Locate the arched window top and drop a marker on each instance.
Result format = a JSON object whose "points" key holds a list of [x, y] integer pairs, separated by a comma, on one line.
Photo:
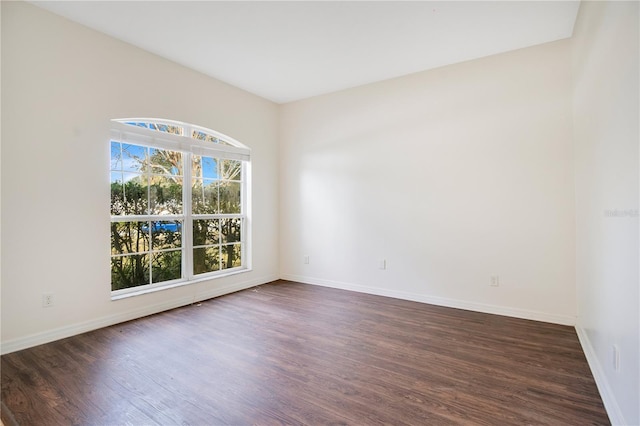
{"points": [[166, 126], [170, 131], [181, 129]]}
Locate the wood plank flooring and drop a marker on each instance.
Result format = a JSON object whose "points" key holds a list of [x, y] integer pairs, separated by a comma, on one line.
{"points": [[288, 353]]}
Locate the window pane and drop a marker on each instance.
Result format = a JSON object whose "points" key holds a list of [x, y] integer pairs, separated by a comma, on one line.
{"points": [[209, 168], [129, 271], [165, 162], [166, 128], [231, 256], [197, 196], [196, 166], [231, 169], [230, 197], [129, 237], [166, 266], [116, 157], [165, 196], [116, 177], [166, 234], [206, 259], [206, 167], [137, 124], [160, 127], [206, 232], [133, 157], [201, 136], [128, 195], [204, 196], [136, 177], [135, 195], [117, 194], [231, 229]]}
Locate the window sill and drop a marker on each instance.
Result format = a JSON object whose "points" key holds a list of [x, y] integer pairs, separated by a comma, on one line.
{"points": [[142, 291]]}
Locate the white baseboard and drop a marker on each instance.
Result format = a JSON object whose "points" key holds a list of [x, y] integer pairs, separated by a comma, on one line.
{"points": [[439, 301], [83, 327], [73, 329], [610, 404]]}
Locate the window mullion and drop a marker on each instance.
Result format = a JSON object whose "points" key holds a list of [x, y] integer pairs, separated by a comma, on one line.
{"points": [[187, 234], [147, 176]]}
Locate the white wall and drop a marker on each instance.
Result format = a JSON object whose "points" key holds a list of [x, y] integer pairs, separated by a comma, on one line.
{"points": [[451, 175], [605, 76], [61, 84]]}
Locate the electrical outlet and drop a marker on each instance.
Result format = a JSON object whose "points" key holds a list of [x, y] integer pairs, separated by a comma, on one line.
{"points": [[495, 281], [306, 259], [382, 264], [47, 300], [615, 354]]}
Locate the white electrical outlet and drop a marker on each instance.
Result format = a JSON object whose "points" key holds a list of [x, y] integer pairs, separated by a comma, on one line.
{"points": [[615, 355], [382, 264], [47, 300], [306, 259], [495, 281]]}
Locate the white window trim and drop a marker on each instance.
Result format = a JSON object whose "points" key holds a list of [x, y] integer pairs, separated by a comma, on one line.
{"points": [[153, 138], [127, 133]]}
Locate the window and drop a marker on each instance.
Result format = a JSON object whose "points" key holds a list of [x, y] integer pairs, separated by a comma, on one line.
{"points": [[178, 204]]}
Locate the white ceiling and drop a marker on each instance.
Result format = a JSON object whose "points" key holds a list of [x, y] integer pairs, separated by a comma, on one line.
{"points": [[285, 51]]}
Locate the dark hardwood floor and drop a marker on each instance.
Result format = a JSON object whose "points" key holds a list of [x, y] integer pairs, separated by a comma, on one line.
{"points": [[287, 353]]}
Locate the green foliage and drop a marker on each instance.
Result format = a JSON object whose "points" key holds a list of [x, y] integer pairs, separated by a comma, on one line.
{"points": [[206, 259], [167, 266], [129, 271], [128, 198], [131, 242]]}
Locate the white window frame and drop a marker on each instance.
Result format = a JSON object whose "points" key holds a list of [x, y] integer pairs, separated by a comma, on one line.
{"points": [[188, 146]]}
